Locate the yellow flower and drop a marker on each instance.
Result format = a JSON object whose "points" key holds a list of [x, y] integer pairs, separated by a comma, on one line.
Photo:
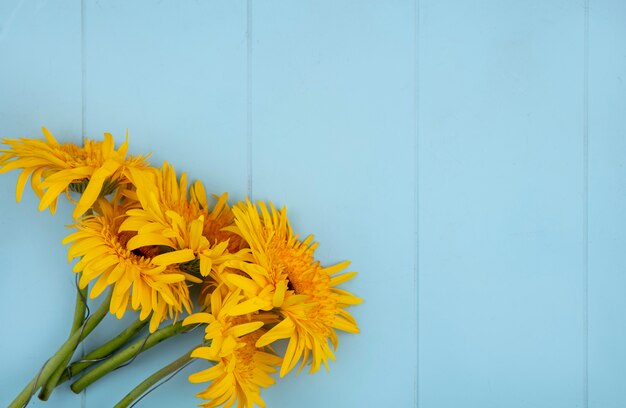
{"points": [[240, 369], [179, 217], [142, 279], [53, 168], [237, 378], [284, 276]]}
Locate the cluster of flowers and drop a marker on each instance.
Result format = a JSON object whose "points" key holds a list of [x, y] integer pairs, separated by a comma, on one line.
{"points": [[146, 236]]}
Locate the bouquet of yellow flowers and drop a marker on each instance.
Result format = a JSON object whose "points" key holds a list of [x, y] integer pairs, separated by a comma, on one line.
{"points": [[143, 237]]}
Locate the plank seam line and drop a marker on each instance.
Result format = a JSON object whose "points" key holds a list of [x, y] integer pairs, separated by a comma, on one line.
{"points": [[416, 102], [249, 97], [83, 394], [586, 207]]}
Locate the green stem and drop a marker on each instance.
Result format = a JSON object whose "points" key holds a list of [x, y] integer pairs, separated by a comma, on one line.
{"points": [[66, 349], [139, 390], [103, 351], [79, 320], [126, 354], [80, 309]]}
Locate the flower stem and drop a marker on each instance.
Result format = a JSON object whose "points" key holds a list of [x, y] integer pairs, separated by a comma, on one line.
{"points": [[126, 354], [66, 349], [139, 390], [103, 351], [80, 309], [79, 320]]}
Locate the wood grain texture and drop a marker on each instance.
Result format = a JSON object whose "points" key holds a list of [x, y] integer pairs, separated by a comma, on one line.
{"points": [[500, 164], [607, 201], [515, 295], [39, 86], [174, 75], [333, 140]]}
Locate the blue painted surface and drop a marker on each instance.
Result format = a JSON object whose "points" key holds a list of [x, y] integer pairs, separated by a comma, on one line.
{"points": [[498, 125], [501, 204], [607, 193]]}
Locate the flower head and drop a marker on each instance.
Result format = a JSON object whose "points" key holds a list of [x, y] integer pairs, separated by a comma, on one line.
{"points": [[240, 368], [95, 169], [284, 276], [142, 279], [180, 218]]}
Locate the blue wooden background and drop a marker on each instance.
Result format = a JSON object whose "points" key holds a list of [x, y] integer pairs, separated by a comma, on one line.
{"points": [[468, 156]]}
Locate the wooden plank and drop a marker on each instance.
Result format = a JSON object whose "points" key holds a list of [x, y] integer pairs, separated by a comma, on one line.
{"points": [[501, 170], [333, 139], [607, 204], [174, 75], [39, 86]]}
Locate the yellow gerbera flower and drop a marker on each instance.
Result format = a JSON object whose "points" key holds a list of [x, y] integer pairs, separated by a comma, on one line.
{"points": [[284, 276], [179, 217], [240, 369], [237, 378], [144, 279], [53, 168]]}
